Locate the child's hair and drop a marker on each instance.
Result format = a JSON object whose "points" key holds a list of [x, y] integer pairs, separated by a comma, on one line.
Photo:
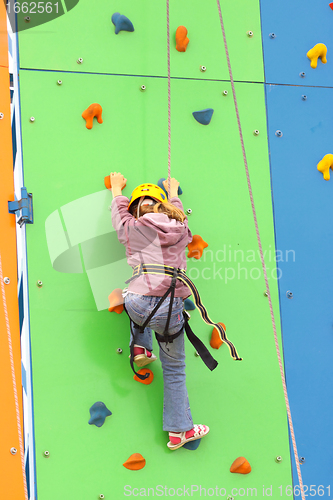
{"points": [[165, 208]]}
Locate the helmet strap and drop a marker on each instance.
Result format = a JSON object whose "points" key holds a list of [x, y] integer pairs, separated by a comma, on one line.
{"points": [[152, 202]]}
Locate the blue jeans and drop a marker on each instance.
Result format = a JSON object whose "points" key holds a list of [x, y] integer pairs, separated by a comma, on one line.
{"points": [[176, 408]]}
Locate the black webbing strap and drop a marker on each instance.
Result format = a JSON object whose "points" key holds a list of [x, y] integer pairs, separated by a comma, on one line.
{"points": [[146, 375], [172, 289], [202, 350]]}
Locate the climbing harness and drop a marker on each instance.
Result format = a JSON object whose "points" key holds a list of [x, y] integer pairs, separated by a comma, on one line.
{"points": [[176, 273]]}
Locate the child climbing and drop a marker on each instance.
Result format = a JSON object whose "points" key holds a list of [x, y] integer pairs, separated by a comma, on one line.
{"points": [[155, 231]]}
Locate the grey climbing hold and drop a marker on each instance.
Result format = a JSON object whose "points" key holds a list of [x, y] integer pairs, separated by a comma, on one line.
{"points": [[98, 414], [189, 305], [192, 445], [122, 23], [204, 116]]}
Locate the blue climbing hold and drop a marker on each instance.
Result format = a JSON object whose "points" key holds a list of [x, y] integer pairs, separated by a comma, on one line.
{"points": [[189, 305], [122, 23], [98, 414], [204, 116], [192, 445], [160, 184]]}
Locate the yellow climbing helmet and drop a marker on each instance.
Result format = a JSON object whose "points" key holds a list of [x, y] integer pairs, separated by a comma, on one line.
{"points": [[150, 190]]}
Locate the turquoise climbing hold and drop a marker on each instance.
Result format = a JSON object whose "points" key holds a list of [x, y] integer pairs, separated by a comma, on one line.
{"points": [[192, 445], [204, 116], [189, 305], [98, 414], [160, 184], [122, 23]]}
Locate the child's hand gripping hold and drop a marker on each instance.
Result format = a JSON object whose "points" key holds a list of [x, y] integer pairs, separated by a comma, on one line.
{"points": [[118, 182], [174, 184]]}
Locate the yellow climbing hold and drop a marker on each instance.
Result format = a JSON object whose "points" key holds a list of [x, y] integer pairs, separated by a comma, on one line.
{"points": [[319, 50], [324, 166]]}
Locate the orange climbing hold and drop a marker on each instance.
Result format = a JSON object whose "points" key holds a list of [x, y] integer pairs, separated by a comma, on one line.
{"points": [[324, 166], [116, 301], [241, 466], [196, 247], [93, 110], [135, 462], [216, 341], [318, 51], [181, 39], [147, 380], [107, 182]]}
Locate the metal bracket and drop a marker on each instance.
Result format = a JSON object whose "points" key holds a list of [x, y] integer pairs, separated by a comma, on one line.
{"points": [[25, 205]]}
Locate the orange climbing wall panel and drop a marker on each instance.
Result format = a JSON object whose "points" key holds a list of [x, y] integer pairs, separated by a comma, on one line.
{"points": [[11, 473]]}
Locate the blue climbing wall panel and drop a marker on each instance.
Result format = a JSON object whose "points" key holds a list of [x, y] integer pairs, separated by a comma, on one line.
{"points": [[303, 205], [298, 26]]}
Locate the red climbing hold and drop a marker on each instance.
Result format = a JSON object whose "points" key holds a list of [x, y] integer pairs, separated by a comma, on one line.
{"points": [[147, 380], [135, 462], [93, 110], [116, 301], [216, 341], [331, 5], [241, 466], [181, 39], [196, 247]]}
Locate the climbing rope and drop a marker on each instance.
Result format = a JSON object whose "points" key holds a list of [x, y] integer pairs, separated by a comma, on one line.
{"points": [[169, 103], [14, 380], [262, 257]]}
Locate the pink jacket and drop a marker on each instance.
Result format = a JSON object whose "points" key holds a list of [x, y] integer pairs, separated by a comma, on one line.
{"points": [[152, 239]]}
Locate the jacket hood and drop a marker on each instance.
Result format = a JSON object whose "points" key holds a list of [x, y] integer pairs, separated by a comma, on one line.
{"points": [[169, 231]]}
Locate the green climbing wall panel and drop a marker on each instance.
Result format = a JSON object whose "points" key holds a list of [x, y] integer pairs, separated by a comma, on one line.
{"points": [[74, 337]]}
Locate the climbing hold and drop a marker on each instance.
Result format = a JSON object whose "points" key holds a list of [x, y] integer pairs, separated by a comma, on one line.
{"points": [[160, 184], [204, 116], [116, 301], [107, 182], [181, 39], [93, 110], [318, 51], [122, 23], [98, 414], [215, 341], [324, 166], [189, 305], [196, 247], [147, 380], [241, 466], [331, 5], [192, 445], [135, 462]]}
